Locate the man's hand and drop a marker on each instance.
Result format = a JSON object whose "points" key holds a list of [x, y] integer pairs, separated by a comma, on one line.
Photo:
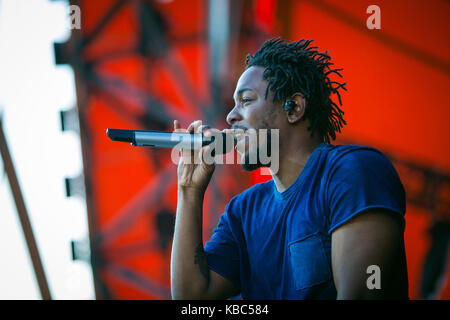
{"points": [[193, 171]]}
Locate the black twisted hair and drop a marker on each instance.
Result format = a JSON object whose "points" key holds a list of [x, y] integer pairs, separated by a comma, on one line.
{"points": [[299, 67]]}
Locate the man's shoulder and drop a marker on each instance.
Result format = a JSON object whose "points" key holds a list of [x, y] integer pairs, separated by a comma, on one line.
{"points": [[352, 154], [351, 149], [252, 194]]}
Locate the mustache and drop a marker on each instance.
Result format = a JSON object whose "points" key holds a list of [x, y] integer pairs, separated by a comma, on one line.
{"points": [[236, 127]]}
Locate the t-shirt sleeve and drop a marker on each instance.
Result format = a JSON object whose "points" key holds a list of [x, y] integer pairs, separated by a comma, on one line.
{"points": [[363, 179], [222, 251]]}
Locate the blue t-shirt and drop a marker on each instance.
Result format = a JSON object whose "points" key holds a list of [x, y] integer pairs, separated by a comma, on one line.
{"points": [[278, 245]]}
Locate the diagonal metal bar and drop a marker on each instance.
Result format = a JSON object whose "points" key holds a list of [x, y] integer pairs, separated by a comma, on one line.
{"points": [[178, 71], [138, 281], [146, 198], [155, 44], [115, 87], [132, 249], [109, 56], [109, 15], [23, 216]]}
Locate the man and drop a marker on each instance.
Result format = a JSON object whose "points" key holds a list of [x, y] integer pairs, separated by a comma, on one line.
{"points": [[330, 222]]}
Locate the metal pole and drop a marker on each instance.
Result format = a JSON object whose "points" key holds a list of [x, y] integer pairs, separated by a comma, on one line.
{"points": [[23, 216]]}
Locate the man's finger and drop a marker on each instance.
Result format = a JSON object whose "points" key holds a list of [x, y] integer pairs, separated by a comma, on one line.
{"points": [[204, 128], [176, 125], [209, 132], [197, 125], [193, 126]]}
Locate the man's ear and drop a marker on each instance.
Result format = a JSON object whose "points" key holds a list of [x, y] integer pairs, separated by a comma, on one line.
{"points": [[296, 113]]}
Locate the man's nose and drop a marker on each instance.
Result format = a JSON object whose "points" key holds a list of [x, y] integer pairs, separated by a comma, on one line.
{"points": [[233, 116]]}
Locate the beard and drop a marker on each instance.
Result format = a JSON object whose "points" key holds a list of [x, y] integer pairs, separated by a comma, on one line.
{"points": [[248, 162], [247, 166]]}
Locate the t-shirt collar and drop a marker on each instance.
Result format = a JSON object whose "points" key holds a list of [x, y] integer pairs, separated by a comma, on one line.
{"points": [[309, 163]]}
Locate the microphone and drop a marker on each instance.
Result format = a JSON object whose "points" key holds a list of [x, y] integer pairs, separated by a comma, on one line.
{"points": [[180, 140]]}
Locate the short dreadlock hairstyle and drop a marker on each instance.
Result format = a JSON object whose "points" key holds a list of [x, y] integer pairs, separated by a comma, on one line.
{"points": [[299, 67]]}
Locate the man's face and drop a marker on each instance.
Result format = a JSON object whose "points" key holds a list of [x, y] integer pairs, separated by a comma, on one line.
{"points": [[251, 113]]}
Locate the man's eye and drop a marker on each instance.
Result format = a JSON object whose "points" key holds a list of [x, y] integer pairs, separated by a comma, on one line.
{"points": [[245, 100]]}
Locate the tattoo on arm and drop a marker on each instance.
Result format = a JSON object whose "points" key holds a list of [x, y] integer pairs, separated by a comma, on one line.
{"points": [[200, 259]]}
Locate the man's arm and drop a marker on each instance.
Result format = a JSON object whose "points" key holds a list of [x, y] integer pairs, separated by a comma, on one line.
{"points": [[190, 276], [373, 237]]}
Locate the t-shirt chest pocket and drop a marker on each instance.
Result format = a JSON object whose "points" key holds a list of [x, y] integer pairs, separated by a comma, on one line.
{"points": [[309, 262]]}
